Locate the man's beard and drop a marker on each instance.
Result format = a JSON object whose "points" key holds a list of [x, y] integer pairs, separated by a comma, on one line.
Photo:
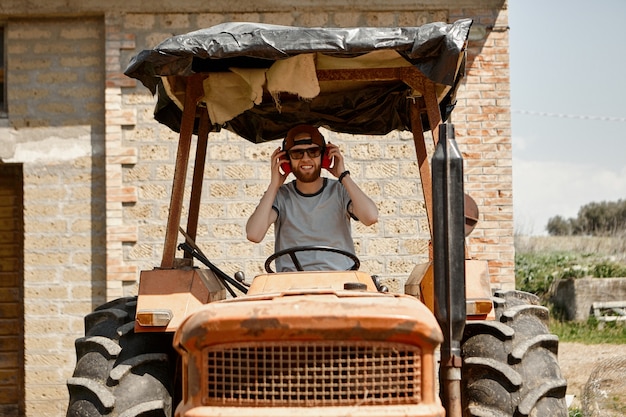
{"points": [[307, 177]]}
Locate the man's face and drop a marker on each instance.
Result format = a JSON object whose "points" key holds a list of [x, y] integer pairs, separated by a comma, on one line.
{"points": [[305, 167]]}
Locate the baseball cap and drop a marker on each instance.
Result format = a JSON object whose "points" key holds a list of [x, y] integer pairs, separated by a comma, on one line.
{"points": [[315, 137]]}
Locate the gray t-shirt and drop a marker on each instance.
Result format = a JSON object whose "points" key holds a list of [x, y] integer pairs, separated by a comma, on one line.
{"points": [[313, 219]]}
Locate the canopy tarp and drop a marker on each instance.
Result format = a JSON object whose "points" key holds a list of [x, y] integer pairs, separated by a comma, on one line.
{"points": [[261, 80]]}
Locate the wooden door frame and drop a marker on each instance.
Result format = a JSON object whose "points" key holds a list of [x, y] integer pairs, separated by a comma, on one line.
{"points": [[12, 285]]}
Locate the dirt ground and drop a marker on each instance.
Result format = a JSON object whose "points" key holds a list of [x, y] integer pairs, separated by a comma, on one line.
{"points": [[577, 362]]}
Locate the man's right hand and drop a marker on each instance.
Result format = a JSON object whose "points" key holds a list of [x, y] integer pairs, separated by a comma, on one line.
{"points": [[264, 215], [278, 157]]}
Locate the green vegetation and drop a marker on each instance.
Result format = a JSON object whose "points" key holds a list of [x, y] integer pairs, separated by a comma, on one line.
{"points": [[575, 412], [536, 271], [590, 332], [541, 261]]}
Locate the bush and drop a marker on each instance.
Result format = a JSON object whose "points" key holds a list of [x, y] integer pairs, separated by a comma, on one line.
{"points": [[558, 226], [607, 269], [536, 271]]}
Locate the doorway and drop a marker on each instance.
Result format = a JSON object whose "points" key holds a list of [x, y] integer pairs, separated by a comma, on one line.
{"points": [[11, 290]]}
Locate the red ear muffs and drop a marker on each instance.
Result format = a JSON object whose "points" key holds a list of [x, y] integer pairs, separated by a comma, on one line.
{"points": [[286, 167], [326, 160]]}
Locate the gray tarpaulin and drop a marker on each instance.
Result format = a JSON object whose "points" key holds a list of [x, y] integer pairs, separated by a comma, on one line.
{"points": [[262, 78]]}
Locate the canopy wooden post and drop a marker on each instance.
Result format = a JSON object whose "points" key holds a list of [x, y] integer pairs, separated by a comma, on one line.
{"points": [[194, 91], [432, 109], [423, 164], [198, 176]]}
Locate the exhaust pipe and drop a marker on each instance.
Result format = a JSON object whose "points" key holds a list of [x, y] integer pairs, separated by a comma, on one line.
{"points": [[449, 263]]}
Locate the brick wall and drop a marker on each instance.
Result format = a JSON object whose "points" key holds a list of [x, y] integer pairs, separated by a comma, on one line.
{"points": [[237, 172], [86, 241], [483, 127], [56, 131]]}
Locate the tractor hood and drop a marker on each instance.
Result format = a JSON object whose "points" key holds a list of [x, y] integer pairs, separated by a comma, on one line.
{"points": [[312, 315], [263, 79]]}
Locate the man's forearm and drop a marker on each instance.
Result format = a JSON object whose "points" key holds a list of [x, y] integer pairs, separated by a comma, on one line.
{"points": [[262, 217], [362, 206]]}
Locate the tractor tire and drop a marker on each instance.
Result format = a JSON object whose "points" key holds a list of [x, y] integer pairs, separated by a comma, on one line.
{"points": [[120, 373], [510, 366]]}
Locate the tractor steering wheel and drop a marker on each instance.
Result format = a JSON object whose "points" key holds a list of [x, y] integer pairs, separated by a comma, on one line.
{"points": [[292, 254]]}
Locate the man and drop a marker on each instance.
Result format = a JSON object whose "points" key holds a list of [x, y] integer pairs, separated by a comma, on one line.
{"points": [[312, 210]]}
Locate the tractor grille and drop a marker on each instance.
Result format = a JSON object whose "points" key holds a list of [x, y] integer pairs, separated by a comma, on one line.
{"points": [[312, 374]]}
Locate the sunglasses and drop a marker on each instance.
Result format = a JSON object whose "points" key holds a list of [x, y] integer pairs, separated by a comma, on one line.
{"points": [[299, 153]]}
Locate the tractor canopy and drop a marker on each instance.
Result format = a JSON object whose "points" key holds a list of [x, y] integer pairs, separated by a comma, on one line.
{"points": [[260, 80]]}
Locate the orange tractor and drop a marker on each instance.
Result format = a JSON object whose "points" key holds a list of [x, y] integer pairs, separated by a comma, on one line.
{"points": [[197, 342]]}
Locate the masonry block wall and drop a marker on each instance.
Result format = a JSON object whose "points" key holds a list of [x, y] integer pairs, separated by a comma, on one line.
{"points": [[98, 169], [56, 130], [237, 172]]}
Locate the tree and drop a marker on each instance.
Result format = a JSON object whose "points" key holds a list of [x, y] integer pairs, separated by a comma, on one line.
{"points": [[558, 226], [603, 219], [594, 219]]}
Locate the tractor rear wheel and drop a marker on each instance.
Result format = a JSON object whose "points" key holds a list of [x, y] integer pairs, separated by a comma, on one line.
{"points": [[510, 365], [119, 372]]}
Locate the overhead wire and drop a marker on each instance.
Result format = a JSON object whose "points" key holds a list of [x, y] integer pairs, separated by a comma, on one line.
{"points": [[570, 116]]}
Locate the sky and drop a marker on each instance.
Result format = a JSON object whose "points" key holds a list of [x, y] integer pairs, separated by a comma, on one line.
{"points": [[568, 103]]}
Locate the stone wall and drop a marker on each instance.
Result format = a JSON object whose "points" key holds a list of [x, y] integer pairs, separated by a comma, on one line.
{"points": [[237, 173], [575, 296], [56, 131], [98, 169]]}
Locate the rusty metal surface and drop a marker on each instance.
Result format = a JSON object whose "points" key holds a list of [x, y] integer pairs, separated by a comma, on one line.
{"points": [[181, 291], [304, 281], [283, 311], [414, 410], [247, 331], [312, 315], [312, 374]]}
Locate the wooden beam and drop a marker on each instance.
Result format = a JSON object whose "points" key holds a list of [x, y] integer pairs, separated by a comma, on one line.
{"points": [[194, 91], [198, 176]]}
